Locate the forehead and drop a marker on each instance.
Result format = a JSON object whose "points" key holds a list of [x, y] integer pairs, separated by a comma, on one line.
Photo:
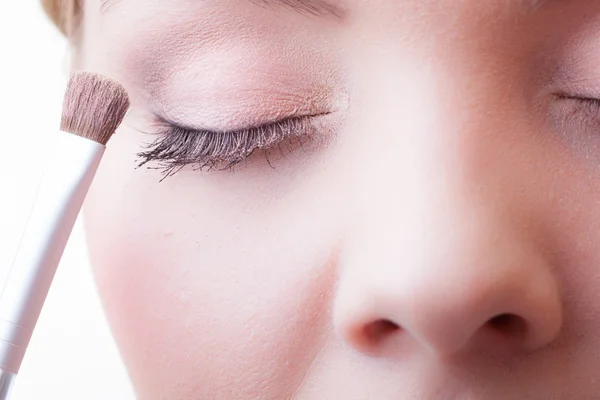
{"points": [[339, 8], [327, 8], [183, 27], [200, 22]]}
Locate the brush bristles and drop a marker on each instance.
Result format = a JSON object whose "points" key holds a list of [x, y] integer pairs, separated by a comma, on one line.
{"points": [[94, 107]]}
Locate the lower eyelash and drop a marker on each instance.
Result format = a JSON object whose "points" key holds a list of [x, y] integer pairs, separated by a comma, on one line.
{"points": [[178, 147]]}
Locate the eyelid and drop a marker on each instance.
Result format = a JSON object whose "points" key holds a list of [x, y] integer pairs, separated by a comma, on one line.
{"points": [[168, 124]]}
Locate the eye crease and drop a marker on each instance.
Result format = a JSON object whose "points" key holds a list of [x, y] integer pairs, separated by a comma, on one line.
{"points": [[177, 146]]}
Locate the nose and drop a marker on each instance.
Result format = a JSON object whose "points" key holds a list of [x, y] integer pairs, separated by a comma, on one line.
{"points": [[447, 285], [444, 250]]}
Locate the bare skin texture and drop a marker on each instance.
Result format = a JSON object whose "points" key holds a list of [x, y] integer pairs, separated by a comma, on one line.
{"points": [[436, 238]]}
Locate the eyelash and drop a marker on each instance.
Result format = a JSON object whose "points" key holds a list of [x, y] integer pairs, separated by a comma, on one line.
{"points": [[178, 146], [592, 102], [584, 112], [592, 105]]}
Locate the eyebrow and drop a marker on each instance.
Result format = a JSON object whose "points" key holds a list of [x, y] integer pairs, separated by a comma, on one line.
{"points": [[320, 8]]}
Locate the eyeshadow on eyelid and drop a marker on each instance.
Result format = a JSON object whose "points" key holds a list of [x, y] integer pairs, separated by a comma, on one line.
{"points": [[233, 108]]}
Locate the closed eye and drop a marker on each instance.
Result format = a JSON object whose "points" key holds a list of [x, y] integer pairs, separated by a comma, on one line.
{"points": [[582, 110], [177, 147]]}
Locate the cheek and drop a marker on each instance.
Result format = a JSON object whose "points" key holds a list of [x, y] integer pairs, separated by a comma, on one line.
{"points": [[204, 296]]}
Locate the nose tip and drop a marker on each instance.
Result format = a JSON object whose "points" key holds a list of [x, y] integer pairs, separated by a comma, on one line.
{"points": [[514, 309]]}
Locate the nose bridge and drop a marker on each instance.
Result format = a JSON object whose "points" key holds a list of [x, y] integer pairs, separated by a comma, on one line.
{"points": [[446, 242], [431, 170], [420, 126]]}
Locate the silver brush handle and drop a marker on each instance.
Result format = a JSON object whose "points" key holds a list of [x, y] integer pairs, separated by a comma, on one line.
{"points": [[6, 383], [60, 197]]}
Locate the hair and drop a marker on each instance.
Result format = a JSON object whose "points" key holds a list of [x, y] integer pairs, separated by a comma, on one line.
{"points": [[64, 14]]}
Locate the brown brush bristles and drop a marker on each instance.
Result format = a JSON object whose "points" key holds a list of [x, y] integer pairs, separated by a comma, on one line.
{"points": [[94, 107]]}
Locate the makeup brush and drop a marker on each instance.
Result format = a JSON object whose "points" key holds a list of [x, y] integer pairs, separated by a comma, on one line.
{"points": [[93, 109]]}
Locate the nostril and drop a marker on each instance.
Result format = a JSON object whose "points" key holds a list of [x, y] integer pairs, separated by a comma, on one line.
{"points": [[378, 330], [508, 324]]}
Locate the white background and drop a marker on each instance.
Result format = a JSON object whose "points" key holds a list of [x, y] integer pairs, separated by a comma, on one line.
{"points": [[72, 354]]}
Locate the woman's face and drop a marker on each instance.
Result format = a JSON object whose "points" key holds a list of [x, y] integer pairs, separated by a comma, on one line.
{"points": [[374, 199]]}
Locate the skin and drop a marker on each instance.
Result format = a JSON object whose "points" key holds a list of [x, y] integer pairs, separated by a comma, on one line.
{"points": [[439, 238]]}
